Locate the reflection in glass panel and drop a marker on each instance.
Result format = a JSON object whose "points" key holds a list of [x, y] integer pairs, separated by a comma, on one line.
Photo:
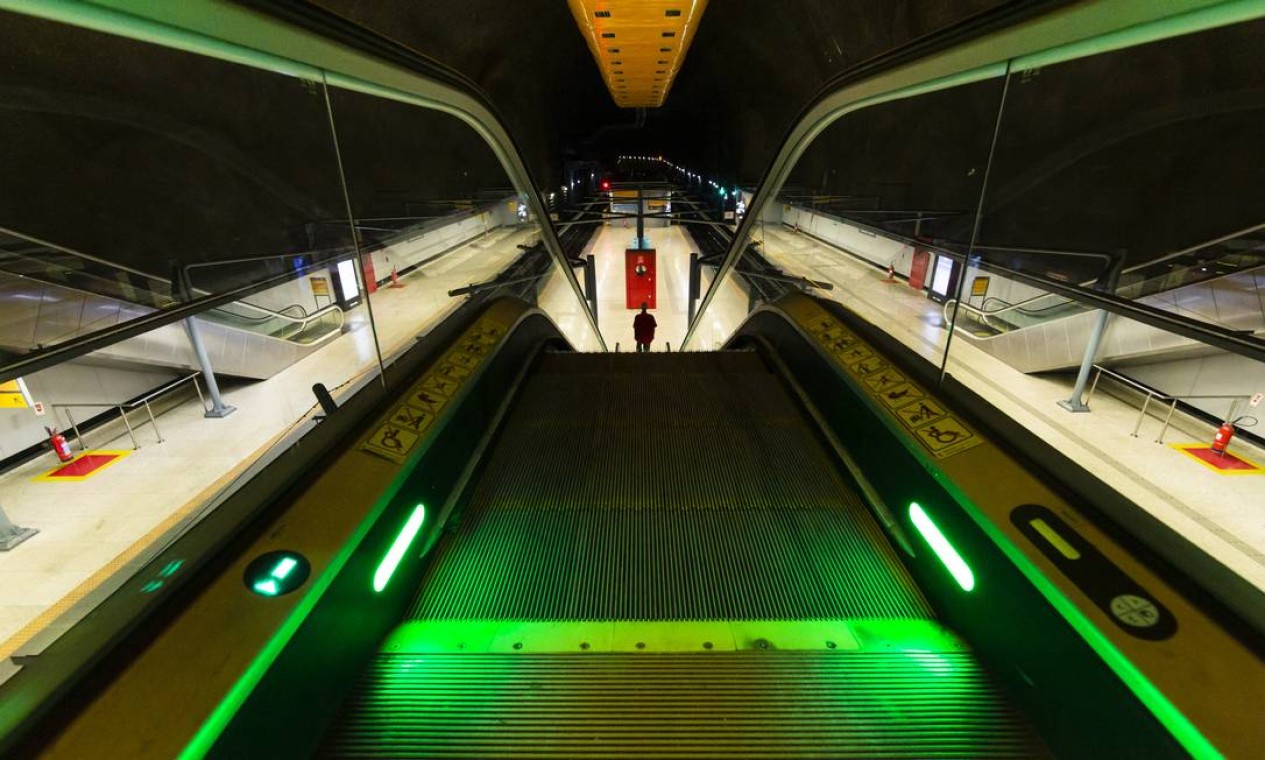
{"points": [[1152, 152], [131, 158], [434, 213], [890, 188]]}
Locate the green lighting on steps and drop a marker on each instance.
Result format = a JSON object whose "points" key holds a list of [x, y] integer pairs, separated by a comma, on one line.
{"points": [[941, 546], [387, 567]]}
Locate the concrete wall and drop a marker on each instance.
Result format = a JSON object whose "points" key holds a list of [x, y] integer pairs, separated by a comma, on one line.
{"points": [[1222, 374], [883, 251], [413, 250], [78, 381]]}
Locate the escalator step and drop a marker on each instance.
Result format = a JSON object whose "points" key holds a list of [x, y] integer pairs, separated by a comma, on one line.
{"points": [[739, 705], [689, 564]]}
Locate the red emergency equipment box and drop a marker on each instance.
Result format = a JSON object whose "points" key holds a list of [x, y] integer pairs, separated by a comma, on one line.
{"points": [[639, 277]]}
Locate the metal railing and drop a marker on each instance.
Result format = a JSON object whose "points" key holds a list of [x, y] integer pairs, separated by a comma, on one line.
{"points": [[124, 407], [1151, 393]]}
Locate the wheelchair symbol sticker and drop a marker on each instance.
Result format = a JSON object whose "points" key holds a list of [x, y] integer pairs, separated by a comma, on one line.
{"points": [[945, 437], [392, 442]]}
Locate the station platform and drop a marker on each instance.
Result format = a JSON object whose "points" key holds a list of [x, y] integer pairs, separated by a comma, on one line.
{"points": [[93, 528], [1219, 512]]}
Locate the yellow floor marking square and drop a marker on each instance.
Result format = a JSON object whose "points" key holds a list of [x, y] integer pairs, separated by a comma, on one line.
{"points": [[83, 466]]}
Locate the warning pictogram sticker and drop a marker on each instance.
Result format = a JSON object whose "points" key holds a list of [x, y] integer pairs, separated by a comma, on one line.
{"points": [[946, 437], [899, 395], [392, 442], [412, 418], [440, 386], [920, 412], [822, 326], [841, 344], [881, 381], [855, 354], [869, 366], [427, 400], [451, 369], [462, 358]]}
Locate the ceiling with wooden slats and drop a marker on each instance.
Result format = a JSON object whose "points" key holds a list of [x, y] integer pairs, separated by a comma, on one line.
{"points": [[639, 45]]}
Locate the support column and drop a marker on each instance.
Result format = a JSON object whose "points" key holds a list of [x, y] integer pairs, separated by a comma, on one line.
{"points": [[590, 284], [218, 407], [641, 220], [1074, 402], [696, 278], [11, 535], [185, 293]]}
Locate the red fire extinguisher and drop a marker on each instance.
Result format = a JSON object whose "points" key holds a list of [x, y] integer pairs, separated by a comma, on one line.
{"points": [[59, 444], [1221, 441]]}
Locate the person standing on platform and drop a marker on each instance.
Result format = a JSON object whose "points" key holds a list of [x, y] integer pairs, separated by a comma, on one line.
{"points": [[643, 329]]}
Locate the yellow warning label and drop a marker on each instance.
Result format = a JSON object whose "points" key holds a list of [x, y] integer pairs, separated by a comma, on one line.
{"points": [[451, 369], [12, 395], [392, 442], [869, 366], [920, 413], [931, 424], [899, 395], [426, 399], [946, 437], [855, 354], [412, 418], [462, 359], [439, 386], [407, 423], [884, 379], [821, 325]]}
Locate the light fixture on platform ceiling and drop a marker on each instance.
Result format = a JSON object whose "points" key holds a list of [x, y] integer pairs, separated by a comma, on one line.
{"points": [[639, 45]]}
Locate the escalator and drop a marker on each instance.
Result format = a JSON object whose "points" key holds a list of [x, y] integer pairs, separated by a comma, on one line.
{"points": [[56, 294], [1050, 332], [509, 549], [660, 559]]}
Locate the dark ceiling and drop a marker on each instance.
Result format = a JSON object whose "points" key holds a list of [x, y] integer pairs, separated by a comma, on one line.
{"points": [[146, 155], [752, 67]]}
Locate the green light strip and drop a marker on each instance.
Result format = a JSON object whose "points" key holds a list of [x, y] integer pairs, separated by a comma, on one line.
{"points": [[390, 562], [957, 566]]}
